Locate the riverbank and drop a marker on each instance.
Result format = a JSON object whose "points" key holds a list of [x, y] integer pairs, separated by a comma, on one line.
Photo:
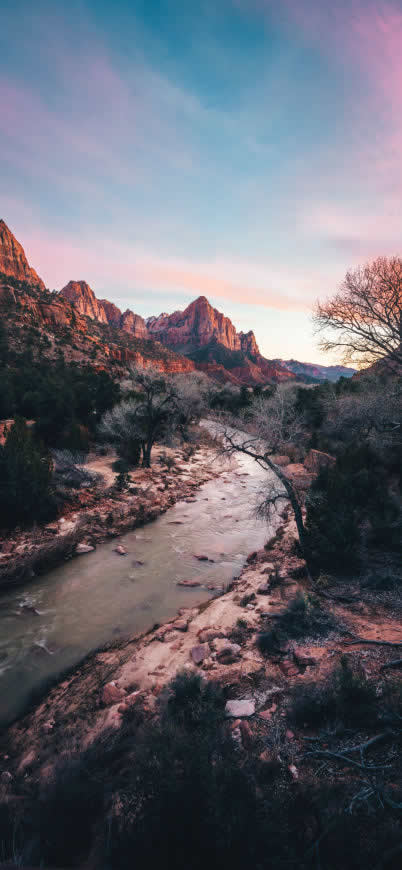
{"points": [[217, 639], [101, 512], [282, 651]]}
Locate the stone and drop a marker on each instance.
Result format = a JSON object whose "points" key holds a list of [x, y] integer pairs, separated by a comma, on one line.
{"points": [[208, 634], [240, 709], [181, 624], [190, 583], [83, 548], [111, 694], [264, 589], [316, 460], [200, 653], [223, 647], [201, 558], [120, 550]]}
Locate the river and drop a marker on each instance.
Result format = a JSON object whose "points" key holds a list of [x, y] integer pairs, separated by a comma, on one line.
{"points": [[52, 623]]}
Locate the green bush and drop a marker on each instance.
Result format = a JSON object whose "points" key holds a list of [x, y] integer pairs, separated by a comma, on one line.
{"points": [[303, 617], [26, 494], [346, 696]]}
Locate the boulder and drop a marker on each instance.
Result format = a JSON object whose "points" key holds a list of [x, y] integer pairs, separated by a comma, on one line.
{"points": [[189, 583], [83, 548], [208, 634], [111, 694], [240, 709], [181, 624], [316, 459], [224, 647], [200, 653], [120, 550]]}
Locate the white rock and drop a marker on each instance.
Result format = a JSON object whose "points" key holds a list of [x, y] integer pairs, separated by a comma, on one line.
{"points": [[238, 709], [83, 548]]}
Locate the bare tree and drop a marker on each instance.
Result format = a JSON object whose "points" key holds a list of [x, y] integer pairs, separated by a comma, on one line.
{"points": [[273, 425], [161, 404], [364, 319], [374, 415]]}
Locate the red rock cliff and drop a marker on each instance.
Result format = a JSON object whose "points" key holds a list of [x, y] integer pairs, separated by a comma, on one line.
{"points": [[196, 326], [13, 260]]}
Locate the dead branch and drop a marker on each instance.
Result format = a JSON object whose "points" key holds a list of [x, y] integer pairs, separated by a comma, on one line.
{"points": [[373, 642]]}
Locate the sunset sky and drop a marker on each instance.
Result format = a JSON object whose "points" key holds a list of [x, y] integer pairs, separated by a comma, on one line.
{"points": [[246, 150]]}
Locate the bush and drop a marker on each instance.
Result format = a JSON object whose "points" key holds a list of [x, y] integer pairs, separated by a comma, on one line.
{"points": [[345, 498], [303, 617], [26, 494], [121, 466], [346, 696]]}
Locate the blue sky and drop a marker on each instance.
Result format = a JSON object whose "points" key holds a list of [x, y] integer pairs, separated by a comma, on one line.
{"points": [[246, 150]]}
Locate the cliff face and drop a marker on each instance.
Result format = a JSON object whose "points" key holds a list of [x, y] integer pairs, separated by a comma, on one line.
{"points": [[13, 261], [84, 299], [197, 326]]}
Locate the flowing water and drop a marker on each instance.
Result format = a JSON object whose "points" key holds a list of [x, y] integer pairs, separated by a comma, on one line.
{"points": [[57, 619]]}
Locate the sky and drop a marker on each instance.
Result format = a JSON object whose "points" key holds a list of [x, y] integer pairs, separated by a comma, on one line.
{"points": [[245, 150]]}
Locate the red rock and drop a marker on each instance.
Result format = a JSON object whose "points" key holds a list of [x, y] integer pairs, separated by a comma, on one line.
{"points": [[13, 260], [199, 653], [111, 694], [189, 583]]}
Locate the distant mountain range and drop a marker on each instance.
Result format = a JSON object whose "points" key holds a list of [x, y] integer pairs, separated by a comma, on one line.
{"points": [[199, 337]]}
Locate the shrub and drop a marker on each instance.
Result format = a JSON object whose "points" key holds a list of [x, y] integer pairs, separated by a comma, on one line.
{"points": [[346, 696], [26, 494], [303, 617], [121, 466]]}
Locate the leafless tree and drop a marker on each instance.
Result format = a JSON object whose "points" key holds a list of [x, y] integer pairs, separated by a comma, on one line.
{"points": [[364, 319], [161, 403], [273, 425], [373, 415]]}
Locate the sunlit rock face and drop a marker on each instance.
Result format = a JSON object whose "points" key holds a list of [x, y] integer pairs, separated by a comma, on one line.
{"points": [[84, 299], [13, 261], [197, 326]]}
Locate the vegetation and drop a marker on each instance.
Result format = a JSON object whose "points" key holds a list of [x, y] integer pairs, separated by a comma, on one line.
{"points": [[159, 407], [364, 319], [26, 494], [66, 400]]}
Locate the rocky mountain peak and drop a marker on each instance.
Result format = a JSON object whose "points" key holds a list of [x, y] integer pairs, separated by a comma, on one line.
{"points": [[83, 297], [13, 261], [198, 325]]}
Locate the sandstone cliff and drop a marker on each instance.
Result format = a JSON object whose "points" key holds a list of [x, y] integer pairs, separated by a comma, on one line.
{"points": [[13, 261], [198, 325], [84, 299]]}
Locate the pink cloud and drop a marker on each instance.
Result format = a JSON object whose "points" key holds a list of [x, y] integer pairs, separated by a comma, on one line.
{"points": [[102, 261]]}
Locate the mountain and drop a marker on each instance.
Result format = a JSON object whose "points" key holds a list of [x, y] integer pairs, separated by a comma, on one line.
{"points": [[317, 372], [13, 261], [207, 337], [198, 325], [84, 299]]}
